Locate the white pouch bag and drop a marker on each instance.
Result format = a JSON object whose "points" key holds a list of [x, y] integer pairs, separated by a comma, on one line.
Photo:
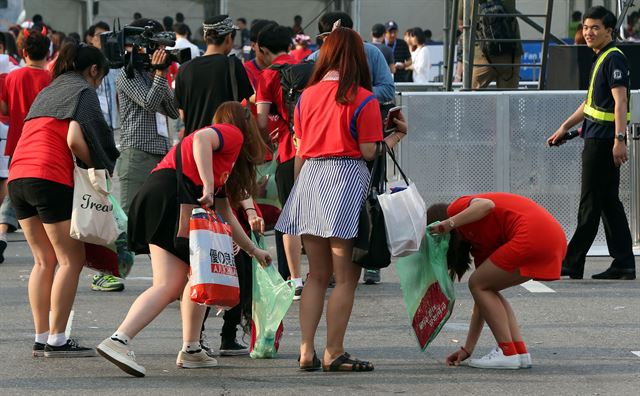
{"points": [[405, 215], [405, 219], [92, 219]]}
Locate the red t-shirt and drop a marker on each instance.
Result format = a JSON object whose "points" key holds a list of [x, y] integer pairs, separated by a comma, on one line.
{"points": [[43, 153], [20, 90], [224, 157], [3, 118], [300, 54], [269, 91], [325, 128]]}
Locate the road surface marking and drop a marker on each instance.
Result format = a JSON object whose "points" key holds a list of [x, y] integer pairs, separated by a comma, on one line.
{"points": [[637, 353], [537, 287]]}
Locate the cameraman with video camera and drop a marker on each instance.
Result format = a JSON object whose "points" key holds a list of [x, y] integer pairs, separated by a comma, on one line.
{"points": [[146, 100]]}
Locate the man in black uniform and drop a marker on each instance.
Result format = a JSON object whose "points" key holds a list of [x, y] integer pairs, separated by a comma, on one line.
{"points": [[401, 53], [605, 115]]}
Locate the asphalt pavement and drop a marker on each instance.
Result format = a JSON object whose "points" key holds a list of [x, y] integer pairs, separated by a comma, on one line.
{"points": [[583, 335]]}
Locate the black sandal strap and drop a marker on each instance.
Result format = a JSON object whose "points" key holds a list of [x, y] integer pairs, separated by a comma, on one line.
{"points": [[345, 358]]}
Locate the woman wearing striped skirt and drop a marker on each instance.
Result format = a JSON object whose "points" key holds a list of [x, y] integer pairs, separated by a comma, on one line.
{"points": [[337, 124]]}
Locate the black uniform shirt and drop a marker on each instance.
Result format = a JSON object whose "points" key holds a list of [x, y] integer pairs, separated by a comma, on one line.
{"points": [[613, 72]]}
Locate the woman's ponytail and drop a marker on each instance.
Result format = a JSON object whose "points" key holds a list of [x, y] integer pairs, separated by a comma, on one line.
{"points": [[77, 58]]}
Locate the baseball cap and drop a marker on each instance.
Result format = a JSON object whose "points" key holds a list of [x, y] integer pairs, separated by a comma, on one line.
{"points": [[392, 25], [378, 30]]}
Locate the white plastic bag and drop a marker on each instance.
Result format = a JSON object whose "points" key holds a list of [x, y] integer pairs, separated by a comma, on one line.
{"points": [[214, 278], [92, 219], [405, 218]]}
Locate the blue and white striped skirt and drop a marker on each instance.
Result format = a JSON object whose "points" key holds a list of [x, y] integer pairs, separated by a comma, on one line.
{"points": [[326, 199]]}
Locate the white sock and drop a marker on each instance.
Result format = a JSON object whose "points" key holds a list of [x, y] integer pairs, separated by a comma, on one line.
{"points": [[57, 339], [3, 236], [42, 337], [297, 282], [191, 346], [119, 336]]}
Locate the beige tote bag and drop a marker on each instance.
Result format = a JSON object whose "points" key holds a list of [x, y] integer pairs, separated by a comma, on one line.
{"points": [[92, 219]]}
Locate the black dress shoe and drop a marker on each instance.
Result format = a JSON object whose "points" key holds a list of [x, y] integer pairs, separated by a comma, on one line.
{"points": [[570, 273], [616, 273]]}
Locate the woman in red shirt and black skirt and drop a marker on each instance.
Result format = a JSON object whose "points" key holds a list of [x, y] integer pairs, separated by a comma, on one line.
{"points": [[217, 162], [512, 240], [337, 124]]}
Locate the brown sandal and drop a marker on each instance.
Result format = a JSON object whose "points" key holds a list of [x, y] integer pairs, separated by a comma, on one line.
{"points": [[345, 363]]}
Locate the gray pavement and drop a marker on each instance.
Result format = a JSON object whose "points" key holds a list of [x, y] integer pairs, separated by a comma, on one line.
{"points": [[581, 338]]}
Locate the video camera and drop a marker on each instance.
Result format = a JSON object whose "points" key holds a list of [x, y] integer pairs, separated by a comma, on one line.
{"points": [[143, 42]]}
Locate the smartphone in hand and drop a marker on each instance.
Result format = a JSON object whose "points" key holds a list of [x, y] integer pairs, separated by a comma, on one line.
{"points": [[389, 124]]}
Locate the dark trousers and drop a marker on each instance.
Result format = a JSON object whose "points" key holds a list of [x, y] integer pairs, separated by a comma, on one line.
{"points": [[599, 198], [233, 317]]}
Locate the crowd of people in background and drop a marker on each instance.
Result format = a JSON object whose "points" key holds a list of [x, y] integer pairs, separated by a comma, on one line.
{"points": [[205, 125]]}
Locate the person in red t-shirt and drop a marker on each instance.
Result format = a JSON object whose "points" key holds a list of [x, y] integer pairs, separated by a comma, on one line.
{"points": [[41, 190], [23, 85], [338, 126], [217, 161], [274, 42], [512, 240], [302, 48]]}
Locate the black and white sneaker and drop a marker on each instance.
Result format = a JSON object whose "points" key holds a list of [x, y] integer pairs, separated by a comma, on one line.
{"points": [[205, 345], [233, 348], [69, 350], [3, 247], [298, 294], [38, 350]]}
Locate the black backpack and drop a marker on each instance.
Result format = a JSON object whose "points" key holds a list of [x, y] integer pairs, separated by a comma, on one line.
{"points": [[496, 27], [293, 80]]}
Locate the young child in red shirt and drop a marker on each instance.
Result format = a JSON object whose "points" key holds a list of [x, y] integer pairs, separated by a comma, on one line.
{"points": [[23, 85]]}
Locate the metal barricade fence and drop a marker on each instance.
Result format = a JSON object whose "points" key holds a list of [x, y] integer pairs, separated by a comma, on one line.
{"points": [[469, 142]]}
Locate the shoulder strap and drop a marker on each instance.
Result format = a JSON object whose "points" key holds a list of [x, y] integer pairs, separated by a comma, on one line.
{"points": [[232, 74], [353, 127]]}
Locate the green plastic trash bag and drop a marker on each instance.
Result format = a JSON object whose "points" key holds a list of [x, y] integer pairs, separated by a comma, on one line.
{"points": [[427, 288], [272, 297]]}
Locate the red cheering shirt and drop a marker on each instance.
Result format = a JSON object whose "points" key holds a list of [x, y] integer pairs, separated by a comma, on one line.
{"points": [[20, 90], [512, 216], [269, 91], [326, 128], [300, 54], [43, 153], [224, 157]]}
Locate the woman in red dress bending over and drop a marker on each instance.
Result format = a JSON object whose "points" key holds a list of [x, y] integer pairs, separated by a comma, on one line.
{"points": [[512, 240]]}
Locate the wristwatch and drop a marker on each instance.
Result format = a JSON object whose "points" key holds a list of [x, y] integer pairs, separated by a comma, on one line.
{"points": [[621, 137]]}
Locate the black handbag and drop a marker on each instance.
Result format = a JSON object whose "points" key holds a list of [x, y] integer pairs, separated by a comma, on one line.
{"points": [[370, 249]]}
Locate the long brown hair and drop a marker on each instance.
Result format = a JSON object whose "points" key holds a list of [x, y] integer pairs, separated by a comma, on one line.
{"points": [[242, 180], [343, 51], [458, 255]]}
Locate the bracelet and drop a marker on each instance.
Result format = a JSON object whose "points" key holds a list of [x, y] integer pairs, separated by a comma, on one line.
{"points": [[254, 209], [465, 351], [452, 224], [250, 252]]}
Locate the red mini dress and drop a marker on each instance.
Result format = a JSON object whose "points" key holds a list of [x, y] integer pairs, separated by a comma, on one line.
{"points": [[518, 236]]}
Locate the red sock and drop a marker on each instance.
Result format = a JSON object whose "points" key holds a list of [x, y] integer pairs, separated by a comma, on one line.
{"points": [[508, 348], [520, 347]]}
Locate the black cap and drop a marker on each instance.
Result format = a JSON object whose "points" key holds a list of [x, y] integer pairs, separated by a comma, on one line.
{"points": [[378, 30], [392, 25]]}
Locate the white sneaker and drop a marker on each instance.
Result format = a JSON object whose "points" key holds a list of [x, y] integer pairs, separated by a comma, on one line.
{"points": [[198, 359], [525, 360], [120, 355], [496, 360]]}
